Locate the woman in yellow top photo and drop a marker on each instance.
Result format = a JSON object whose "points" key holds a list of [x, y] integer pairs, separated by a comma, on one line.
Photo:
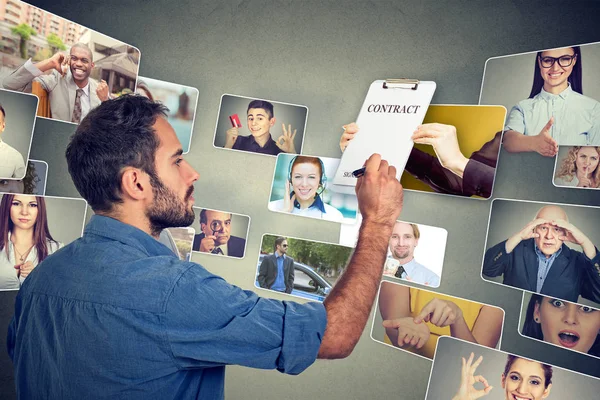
{"points": [[415, 318]]}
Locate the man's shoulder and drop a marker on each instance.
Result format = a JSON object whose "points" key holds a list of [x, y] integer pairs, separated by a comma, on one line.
{"points": [[241, 142], [236, 239], [424, 269], [9, 150], [111, 273]]}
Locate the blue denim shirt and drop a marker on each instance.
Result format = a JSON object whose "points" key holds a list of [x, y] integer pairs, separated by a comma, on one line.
{"points": [[116, 314]]}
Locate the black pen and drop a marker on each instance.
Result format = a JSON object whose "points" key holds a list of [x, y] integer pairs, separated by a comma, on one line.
{"points": [[359, 172]]}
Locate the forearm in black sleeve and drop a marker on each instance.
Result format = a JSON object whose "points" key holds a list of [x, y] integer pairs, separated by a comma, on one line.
{"points": [[478, 179], [428, 170]]}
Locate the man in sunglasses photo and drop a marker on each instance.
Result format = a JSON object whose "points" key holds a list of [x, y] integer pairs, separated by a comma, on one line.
{"points": [[276, 271]]}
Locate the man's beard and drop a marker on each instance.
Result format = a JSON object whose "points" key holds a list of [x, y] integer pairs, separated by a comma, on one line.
{"points": [[167, 211], [401, 254]]}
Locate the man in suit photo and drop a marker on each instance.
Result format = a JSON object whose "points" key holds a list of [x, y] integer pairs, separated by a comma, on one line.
{"points": [[216, 235], [66, 78], [537, 259], [276, 271]]}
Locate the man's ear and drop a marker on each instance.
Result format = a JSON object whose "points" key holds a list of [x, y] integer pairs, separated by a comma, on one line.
{"points": [[272, 121], [202, 227], [93, 65], [135, 184]]}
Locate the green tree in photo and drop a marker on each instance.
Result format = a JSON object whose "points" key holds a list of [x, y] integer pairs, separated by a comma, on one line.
{"points": [[55, 43], [42, 54], [25, 32]]}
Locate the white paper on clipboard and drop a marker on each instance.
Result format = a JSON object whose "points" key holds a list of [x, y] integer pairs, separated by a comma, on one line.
{"points": [[391, 112]]}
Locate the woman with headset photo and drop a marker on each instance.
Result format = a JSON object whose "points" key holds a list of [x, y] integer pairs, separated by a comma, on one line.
{"points": [[306, 182]]}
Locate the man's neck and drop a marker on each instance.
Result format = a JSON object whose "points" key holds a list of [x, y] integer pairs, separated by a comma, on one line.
{"points": [[262, 139], [81, 84], [406, 260], [278, 254], [130, 217]]}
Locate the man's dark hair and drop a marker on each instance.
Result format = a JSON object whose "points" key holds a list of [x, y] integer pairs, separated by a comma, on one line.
{"points": [[85, 47], [265, 105], [203, 219], [3, 112], [278, 241], [118, 133]]}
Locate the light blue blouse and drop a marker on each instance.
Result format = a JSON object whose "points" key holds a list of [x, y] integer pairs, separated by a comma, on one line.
{"points": [[576, 117]]}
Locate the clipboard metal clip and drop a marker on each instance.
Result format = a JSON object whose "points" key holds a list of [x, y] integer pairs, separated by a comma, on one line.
{"points": [[402, 83]]}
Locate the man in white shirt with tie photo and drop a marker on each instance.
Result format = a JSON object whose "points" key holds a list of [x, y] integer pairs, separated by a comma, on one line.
{"points": [[66, 78], [404, 240], [12, 164]]}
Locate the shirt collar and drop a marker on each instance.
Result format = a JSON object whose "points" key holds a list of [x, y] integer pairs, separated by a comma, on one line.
{"points": [[410, 266], [86, 88], [318, 203], [563, 95], [269, 143], [542, 256], [223, 248], [127, 234]]}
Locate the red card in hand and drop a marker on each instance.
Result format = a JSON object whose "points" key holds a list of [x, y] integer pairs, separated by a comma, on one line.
{"points": [[235, 121]]}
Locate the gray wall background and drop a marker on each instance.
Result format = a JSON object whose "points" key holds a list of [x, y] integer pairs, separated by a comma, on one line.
{"points": [[508, 80], [445, 374], [284, 114], [20, 111], [325, 55]]}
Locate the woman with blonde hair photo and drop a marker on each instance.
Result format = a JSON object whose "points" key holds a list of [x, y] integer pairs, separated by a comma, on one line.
{"points": [[579, 168]]}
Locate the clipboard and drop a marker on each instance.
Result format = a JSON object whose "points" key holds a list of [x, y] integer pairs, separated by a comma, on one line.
{"points": [[392, 110]]}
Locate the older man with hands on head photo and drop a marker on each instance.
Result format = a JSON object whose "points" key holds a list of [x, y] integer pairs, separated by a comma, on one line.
{"points": [[536, 258]]}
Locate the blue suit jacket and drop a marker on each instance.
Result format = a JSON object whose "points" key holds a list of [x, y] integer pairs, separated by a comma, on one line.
{"points": [[235, 245], [572, 274]]}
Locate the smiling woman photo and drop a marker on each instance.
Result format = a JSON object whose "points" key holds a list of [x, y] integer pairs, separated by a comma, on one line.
{"points": [[522, 379], [579, 168], [556, 111], [25, 239], [304, 185], [569, 325]]}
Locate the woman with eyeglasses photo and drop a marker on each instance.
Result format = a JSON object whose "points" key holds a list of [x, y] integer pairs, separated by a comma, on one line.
{"points": [[556, 112]]}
